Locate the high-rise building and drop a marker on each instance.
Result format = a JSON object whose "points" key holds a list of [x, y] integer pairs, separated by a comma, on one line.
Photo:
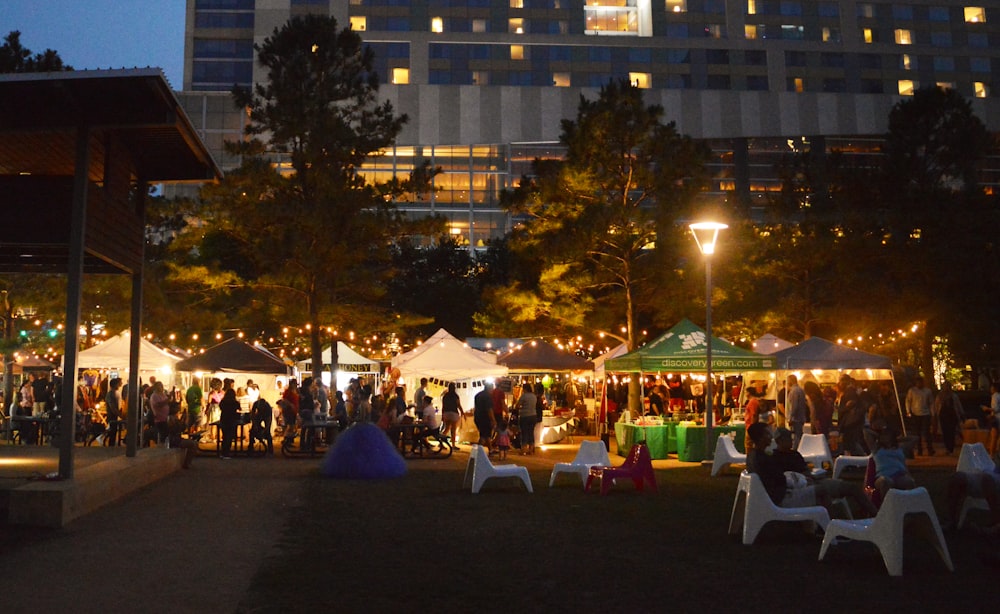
{"points": [[485, 83]]}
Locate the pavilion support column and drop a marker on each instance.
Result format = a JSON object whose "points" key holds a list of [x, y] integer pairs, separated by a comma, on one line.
{"points": [[133, 424], [74, 292]]}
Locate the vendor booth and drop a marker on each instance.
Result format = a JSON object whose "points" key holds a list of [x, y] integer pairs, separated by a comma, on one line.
{"points": [[539, 360], [823, 362], [350, 365], [443, 359], [683, 349], [240, 361], [112, 356]]}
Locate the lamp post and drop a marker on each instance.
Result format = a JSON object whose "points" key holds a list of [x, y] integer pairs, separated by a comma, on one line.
{"points": [[706, 234]]}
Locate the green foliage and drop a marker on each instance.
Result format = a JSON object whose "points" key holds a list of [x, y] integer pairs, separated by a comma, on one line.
{"points": [[594, 219], [313, 244]]}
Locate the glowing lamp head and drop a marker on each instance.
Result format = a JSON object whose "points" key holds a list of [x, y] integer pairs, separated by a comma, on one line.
{"points": [[706, 235]]}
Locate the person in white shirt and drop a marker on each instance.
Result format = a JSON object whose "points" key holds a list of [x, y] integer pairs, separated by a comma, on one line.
{"points": [[919, 405]]}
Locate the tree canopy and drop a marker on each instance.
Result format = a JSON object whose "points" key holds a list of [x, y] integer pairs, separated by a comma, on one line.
{"points": [[15, 58], [311, 241]]}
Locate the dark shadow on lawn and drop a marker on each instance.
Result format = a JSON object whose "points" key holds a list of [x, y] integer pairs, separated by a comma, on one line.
{"points": [[423, 543]]}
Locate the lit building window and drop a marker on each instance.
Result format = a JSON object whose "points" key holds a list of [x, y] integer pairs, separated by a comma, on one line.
{"points": [[945, 85], [798, 85], [713, 30], [866, 34], [641, 80], [980, 89], [478, 25], [906, 87], [750, 32], [517, 52], [903, 37], [622, 17], [437, 24], [517, 4], [359, 23], [975, 14], [831, 35], [480, 77], [515, 26], [677, 6], [400, 76], [560, 79], [751, 7], [906, 61]]}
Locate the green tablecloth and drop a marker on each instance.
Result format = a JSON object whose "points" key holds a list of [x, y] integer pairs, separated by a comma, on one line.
{"points": [[691, 440], [661, 440]]}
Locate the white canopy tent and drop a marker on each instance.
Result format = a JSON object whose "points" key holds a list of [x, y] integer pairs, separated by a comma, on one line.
{"points": [[113, 355], [613, 353], [350, 365], [769, 344], [443, 359]]}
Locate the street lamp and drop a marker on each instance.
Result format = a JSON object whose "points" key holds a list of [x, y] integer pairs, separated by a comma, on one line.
{"points": [[706, 234]]}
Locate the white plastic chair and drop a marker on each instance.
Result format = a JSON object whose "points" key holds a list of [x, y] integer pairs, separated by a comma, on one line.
{"points": [[726, 454], [886, 529], [816, 450], [753, 508], [842, 462], [479, 469], [972, 459], [592, 453]]}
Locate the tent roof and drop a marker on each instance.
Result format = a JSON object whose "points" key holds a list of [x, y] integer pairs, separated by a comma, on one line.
{"points": [[347, 360], [818, 353], [114, 353], [538, 354], [445, 357], [234, 356], [769, 344], [683, 348], [599, 361]]}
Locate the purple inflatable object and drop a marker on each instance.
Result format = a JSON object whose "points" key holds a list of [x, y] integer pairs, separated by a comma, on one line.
{"points": [[363, 452]]}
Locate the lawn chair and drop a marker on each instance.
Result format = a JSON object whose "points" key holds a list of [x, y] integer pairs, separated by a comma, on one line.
{"points": [[844, 461], [753, 508], [726, 454], [815, 450], [479, 469], [886, 529], [973, 458], [591, 454], [638, 467]]}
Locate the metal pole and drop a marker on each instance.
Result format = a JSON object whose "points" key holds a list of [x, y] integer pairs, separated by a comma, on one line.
{"points": [[709, 444]]}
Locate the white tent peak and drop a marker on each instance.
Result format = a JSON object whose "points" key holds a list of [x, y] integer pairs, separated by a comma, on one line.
{"points": [[769, 344]]}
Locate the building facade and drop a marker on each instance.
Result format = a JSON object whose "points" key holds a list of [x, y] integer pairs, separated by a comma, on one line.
{"points": [[485, 83]]}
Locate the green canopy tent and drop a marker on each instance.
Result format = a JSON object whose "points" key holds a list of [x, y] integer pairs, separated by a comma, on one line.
{"points": [[683, 349]]}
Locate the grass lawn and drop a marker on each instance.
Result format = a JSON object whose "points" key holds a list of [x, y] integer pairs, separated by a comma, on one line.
{"points": [[422, 543]]}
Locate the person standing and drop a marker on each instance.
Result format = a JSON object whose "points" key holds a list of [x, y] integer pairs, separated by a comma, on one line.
{"points": [[194, 396], [919, 404], [159, 405], [452, 413], [527, 417], [113, 410], [796, 408], [948, 409], [229, 409], [27, 402], [499, 404], [850, 416], [418, 396], [483, 415]]}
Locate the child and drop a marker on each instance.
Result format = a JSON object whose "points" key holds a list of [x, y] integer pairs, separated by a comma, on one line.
{"points": [[890, 464], [502, 441]]}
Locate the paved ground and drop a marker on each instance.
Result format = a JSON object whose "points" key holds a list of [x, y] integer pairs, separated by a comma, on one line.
{"points": [[192, 542]]}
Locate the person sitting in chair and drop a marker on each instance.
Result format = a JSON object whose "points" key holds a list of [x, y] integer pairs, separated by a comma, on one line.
{"points": [[786, 476], [432, 424]]}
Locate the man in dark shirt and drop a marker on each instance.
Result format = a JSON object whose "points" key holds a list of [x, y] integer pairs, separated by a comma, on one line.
{"points": [[772, 467]]}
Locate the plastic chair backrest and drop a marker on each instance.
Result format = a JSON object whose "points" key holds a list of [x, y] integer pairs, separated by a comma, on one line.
{"points": [[730, 447], [814, 445], [974, 457], [482, 458], [897, 504], [592, 452]]}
